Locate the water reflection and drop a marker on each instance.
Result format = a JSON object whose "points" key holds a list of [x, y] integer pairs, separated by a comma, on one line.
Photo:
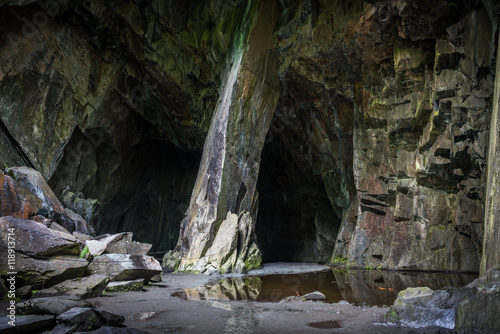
{"points": [[355, 286]]}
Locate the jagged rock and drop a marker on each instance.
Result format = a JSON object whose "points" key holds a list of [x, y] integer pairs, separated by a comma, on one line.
{"points": [[46, 272], [28, 324], [35, 239], [79, 319], [423, 307], [15, 200], [120, 243], [82, 287], [85, 207], [316, 295], [24, 292], [479, 310], [33, 181], [121, 286], [80, 225], [50, 305], [125, 267]]}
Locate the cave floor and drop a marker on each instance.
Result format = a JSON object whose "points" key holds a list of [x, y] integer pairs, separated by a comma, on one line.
{"points": [[155, 310]]}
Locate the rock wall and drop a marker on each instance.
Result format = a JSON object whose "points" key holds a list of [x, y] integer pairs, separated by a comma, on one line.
{"points": [[116, 101]]}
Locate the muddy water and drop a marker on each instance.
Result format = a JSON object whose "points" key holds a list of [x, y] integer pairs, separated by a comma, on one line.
{"points": [[355, 286]]}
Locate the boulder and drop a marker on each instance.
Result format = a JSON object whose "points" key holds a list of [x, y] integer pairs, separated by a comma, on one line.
{"points": [[316, 295], [120, 243], [84, 287], [36, 239], [422, 307], [125, 267], [479, 311], [33, 181], [80, 224], [76, 202], [45, 272], [28, 324], [100, 244], [122, 286], [80, 319], [15, 200], [50, 305]]}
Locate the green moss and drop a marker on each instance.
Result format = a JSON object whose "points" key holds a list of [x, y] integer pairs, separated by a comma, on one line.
{"points": [[84, 252], [392, 316], [252, 263], [340, 259]]}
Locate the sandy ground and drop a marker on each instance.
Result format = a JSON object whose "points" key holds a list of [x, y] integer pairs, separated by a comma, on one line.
{"points": [[156, 311]]}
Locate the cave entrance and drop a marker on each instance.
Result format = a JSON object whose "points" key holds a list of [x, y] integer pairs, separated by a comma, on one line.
{"points": [[296, 222]]}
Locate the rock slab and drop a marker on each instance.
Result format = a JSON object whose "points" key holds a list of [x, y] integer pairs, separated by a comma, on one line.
{"points": [[125, 267]]}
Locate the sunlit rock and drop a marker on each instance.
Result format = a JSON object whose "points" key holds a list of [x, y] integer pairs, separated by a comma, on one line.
{"points": [[125, 267]]}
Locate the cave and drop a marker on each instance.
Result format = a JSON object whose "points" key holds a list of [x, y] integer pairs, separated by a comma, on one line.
{"points": [[296, 221], [220, 137], [356, 132]]}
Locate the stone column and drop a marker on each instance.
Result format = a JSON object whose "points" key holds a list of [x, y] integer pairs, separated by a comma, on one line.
{"points": [[217, 233]]}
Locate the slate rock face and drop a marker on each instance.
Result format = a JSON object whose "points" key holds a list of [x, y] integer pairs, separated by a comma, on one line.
{"points": [[120, 243], [29, 324], [125, 267], [33, 238], [15, 200], [50, 305], [44, 272], [33, 181], [479, 311], [82, 287]]}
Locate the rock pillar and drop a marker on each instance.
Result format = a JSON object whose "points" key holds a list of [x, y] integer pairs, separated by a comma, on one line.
{"points": [[217, 233]]}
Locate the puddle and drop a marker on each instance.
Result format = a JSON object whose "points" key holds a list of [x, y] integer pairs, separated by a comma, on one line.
{"points": [[355, 286], [326, 324]]}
